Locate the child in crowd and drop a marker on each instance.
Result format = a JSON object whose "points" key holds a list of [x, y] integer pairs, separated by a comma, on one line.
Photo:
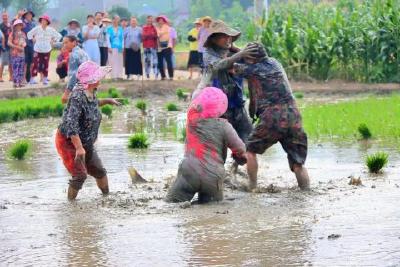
{"points": [[17, 43], [208, 137], [62, 64], [271, 100]]}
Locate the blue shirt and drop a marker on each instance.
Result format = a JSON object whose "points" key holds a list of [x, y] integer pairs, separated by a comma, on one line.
{"points": [[28, 26], [76, 58], [132, 37], [116, 38]]}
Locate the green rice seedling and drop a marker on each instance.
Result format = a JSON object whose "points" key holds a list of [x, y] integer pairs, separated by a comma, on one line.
{"points": [[142, 105], [114, 93], [172, 107], [377, 161], [364, 131], [180, 93], [298, 95], [138, 141], [19, 149], [107, 110]]}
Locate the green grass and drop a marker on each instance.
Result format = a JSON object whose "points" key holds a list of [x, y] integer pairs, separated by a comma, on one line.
{"points": [[141, 105], [107, 110], [19, 149], [340, 120], [26, 108], [172, 107], [138, 141], [298, 95], [376, 162], [364, 131]]}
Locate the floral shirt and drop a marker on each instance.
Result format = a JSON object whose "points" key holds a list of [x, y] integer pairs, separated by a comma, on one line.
{"points": [[81, 117], [44, 38], [76, 58], [19, 39]]}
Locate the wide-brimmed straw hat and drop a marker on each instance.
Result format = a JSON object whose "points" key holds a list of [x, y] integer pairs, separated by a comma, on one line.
{"points": [[218, 26], [106, 20], [163, 17], [206, 18], [211, 102], [198, 21], [90, 72], [17, 22], [45, 17], [26, 12]]}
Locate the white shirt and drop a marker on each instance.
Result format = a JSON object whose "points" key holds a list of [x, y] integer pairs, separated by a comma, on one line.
{"points": [[43, 38]]}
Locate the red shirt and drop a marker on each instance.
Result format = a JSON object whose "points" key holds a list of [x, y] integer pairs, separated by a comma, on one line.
{"points": [[149, 36]]}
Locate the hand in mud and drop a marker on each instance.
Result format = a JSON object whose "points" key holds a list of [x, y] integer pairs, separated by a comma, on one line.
{"points": [[80, 154]]}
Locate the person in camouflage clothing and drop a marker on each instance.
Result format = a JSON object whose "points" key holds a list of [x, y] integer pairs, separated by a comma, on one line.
{"points": [[272, 101]]}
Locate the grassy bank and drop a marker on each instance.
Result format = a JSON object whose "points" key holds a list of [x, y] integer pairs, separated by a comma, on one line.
{"points": [[341, 120]]}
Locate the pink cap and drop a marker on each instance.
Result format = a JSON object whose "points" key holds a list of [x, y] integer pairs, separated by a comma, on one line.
{"points": [[46, 17], [89, 73], [17, 21], [211, 102], [163, 17]]}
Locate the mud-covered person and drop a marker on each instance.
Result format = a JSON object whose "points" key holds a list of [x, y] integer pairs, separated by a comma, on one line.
{"points": [[79, 129], [219, 57], [272, 101], [207, 139]]}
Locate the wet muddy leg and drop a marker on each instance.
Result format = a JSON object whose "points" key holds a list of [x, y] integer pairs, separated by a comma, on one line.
{"points": [[252, 169], [102, 184], [302, 176]]}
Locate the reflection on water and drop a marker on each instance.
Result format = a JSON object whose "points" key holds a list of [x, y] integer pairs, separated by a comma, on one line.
{"points": [[133, 226]]}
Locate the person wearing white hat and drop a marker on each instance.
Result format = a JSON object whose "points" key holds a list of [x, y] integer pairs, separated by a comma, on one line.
{"points": [[17, 44]]}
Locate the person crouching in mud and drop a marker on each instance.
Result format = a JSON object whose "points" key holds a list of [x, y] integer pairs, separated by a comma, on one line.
{"points": [[272, 101], [208, 137], [79, 129]]}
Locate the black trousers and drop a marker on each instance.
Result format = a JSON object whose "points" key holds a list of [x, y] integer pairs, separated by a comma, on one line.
{"points": [[28, 61], [103, 56], [62, 72], [167, 55]]}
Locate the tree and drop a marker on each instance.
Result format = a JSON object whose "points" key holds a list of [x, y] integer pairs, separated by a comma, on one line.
{"points": [[5, 4], [37, 6], [122, 12]]}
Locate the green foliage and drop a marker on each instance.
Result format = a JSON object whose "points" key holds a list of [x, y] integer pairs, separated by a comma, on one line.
{"points": [[19, 149], [5, 4], [182, 93], [364, 131], [298, 95], [38, 6], [340, 120], [114, 93], [138, 141], [172, 107], [122, 12], [376, 162], [78, 13], [352, 40], [107, 110], [142, 105], [25, 108]]}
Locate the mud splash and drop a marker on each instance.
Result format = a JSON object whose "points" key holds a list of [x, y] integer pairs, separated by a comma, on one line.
{"points": [[334, 224]]}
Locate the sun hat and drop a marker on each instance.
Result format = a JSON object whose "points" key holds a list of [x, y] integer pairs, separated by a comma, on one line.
{"points": [[90, 72], [198, 21], [46, 17], [206, 18], [106, 20], [17, 21], [163, 17], [218, 26], [74, 21], [211, 102], [28, 11]]}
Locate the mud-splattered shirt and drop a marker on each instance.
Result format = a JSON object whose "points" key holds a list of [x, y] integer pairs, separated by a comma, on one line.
{"points": [[81, 117], [268, 82]]}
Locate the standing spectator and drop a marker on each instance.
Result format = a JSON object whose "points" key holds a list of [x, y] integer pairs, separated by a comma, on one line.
{"points": [[6, 29], [17, 43], [104, 41], [165, 47], [132, 43], [124, 23], [174, 38], [194, 60], [202, 37], [43, 37], [149, 37], [29, 23], [62, 64], [90, 34], [98, 18], [116, 58], [77, 56], [73, 28]]}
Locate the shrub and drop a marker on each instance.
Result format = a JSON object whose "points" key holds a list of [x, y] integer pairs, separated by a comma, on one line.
{"points": [[114, 93], [377, 161], [364, 131], [107, 110], [142, 105], [138, 140], [172, 107], [298, 95], [19, 149]]}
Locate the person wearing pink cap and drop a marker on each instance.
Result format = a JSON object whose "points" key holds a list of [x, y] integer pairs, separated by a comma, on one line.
{"points": [[165, 49], [207, 139], [17, 44], [43, 37], [79, 129]]}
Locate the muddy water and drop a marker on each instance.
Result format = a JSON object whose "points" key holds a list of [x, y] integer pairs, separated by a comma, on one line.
{"points": [[133, 226]]}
